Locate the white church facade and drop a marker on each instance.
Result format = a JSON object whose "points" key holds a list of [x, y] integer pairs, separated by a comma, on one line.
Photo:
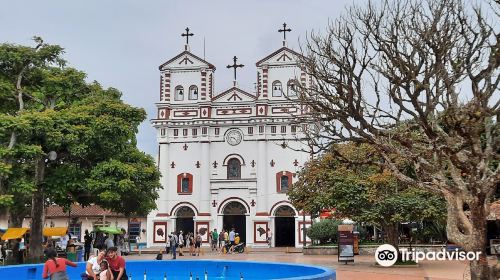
{"points": [[227, 159]]}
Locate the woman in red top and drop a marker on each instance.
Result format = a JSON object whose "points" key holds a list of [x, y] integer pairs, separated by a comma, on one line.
{"points": [[55, 268]]}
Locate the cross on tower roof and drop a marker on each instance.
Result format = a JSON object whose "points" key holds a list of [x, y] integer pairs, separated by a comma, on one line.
{"points": [[187, 34], [284, 30], [235, 66]]}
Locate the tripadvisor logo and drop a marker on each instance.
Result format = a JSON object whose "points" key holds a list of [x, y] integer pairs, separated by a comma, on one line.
{"points": [[387, 255]]}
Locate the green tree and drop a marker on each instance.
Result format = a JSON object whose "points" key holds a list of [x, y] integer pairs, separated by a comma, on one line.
{"points": [[324, 231], [364, 193], [76, 142]]}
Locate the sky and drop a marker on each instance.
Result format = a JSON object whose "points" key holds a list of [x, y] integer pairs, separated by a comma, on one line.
{"points": [[120, 44]]}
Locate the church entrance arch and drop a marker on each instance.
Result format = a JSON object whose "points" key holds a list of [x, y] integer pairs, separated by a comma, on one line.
{"points": [[184, 219], [235, 217], [284, 226]]}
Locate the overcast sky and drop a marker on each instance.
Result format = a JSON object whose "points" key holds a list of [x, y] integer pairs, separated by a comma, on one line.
{"points": [[122, 43]]}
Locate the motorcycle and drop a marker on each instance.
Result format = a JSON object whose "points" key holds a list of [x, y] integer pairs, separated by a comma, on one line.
{"points": [[239, 248]]}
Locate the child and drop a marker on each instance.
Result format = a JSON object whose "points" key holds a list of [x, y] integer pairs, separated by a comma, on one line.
{"points": [[54, 267], [105, 273]]}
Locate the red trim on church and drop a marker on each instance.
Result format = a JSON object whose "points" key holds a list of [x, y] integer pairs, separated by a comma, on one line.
{"points": [[278, 180], [181, 203], [210, 65], [204, 85], [280, 202], [275, 53], [264, 82], [234, 198], [179, 183], [162, 215]]}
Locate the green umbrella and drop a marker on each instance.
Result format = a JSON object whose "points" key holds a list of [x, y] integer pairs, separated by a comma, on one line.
{"points": [[112, 230]]}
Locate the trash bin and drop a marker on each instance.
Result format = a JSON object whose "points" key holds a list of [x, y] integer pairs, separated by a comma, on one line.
{"points": [[71, 256], [79, 255]]}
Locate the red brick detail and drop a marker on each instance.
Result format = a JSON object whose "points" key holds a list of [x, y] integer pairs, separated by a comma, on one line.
{"points": [[185, 113], [163, 113], [184, 203], [179, 183], [278, 180], [265, 214], [162, 215], [204, 214], [240, 111], [236, 199], [161, 88], [166, 97], [203, 85], [210, 85], [205, 112], [264, 82]]}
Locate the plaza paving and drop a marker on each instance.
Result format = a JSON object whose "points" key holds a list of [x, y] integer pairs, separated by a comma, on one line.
{"points": [[363, 267]]}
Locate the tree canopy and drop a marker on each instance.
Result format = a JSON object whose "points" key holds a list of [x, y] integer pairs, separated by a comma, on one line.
{"points": [[420, 80], [65, 140], [365, 193]]}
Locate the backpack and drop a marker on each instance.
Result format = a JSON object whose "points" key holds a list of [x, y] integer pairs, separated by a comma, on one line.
{"points": [[198, 238]]}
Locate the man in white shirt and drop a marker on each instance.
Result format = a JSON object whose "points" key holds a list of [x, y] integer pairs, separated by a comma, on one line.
{"points": [[109, 242], [232, 235], [64, 241]]}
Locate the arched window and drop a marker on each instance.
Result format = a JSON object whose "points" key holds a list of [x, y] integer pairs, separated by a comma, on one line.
{"points": [[277, 89], [193, 92], [179, 93], [234, 169], [291, 88], [184, 183], [284, 183]]}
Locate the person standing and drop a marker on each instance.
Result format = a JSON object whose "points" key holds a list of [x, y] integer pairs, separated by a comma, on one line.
{"points": [[181, 243], [173, 244], [197, 244], [221, 240], [64, 241], [109, 242], [87, 239], [191, 244], [54, 267], [116, 264], [215, 238], [269, 237], [232, 235]]}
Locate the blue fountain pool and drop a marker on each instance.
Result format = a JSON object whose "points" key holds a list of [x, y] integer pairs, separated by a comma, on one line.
{"points": [[181, 270]]}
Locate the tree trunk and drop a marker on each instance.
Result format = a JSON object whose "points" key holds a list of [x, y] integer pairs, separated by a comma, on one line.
{"points": [[16, 218], [37, 213], [472, 236], [392, 232]]}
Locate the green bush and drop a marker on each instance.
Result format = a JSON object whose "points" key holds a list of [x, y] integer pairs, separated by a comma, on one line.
{"points": [[324, 231]]}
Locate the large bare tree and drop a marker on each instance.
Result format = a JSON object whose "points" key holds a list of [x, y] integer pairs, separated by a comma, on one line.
{"points": [[417, 79]]}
